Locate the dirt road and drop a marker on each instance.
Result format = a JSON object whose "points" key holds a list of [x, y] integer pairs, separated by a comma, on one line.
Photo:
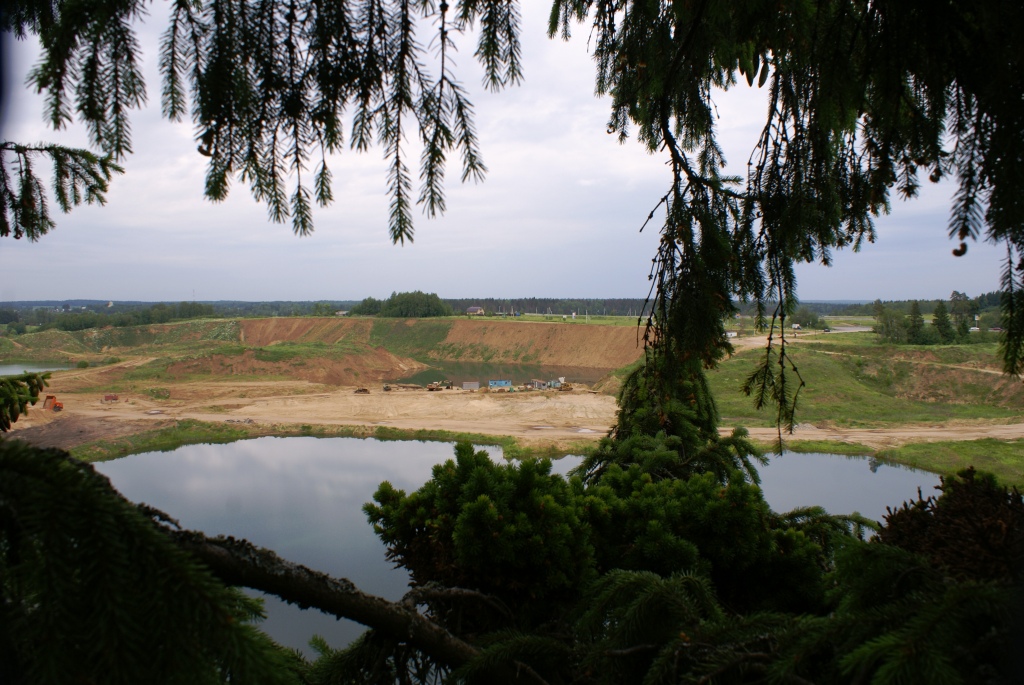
{"points": [[533, 418]]}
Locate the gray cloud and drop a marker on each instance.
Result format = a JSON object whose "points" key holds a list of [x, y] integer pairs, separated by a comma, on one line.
{"points": [[558, 214]]}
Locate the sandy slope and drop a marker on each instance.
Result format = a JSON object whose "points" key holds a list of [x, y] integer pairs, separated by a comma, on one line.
{"points": [[325, 396]]}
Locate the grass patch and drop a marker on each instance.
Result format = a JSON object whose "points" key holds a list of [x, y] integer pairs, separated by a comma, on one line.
{"points": [[184, 432], [192, 432], [168, 334], [154, 370], [870, 386], [287, 351], [226, 350], [1004, 459], [469, 351], [299, 352], [415, 338], [581, 318]]}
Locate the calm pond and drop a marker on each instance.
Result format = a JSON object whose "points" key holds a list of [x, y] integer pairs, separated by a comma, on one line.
{"points": [[457, 372], [15, 369], [303, 497]]}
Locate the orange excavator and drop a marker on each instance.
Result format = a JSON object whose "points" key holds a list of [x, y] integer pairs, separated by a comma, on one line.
{"points": [[51, 403]]}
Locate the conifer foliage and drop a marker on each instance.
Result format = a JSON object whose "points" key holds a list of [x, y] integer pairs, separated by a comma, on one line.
{"points": [[641, 579], [273, 89], [512, 531], [16, 394], [863, 97], [92, 591]]}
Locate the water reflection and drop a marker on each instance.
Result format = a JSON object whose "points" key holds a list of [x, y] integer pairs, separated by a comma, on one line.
{"points": [[303, 497], [842, 485], [15, 369]]}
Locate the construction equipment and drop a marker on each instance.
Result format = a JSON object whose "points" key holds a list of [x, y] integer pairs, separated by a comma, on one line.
{"points": [[51, 403]]}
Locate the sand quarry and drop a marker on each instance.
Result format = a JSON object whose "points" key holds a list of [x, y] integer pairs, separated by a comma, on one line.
{"points": [[252, 392]]}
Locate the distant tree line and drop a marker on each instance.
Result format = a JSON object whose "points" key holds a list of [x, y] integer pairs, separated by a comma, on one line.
{"points": [[551, 305], [949, 325], [416, 304], [259, 310], [988, 302], [71, 315], [70, 319], [400, 304], [82, 314]]}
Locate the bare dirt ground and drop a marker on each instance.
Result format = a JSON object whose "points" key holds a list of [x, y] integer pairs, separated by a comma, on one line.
{"points": [[534, 418], [537, 418]]}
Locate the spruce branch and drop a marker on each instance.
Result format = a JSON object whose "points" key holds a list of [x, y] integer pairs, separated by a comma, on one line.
{"points": [[79, 177]]}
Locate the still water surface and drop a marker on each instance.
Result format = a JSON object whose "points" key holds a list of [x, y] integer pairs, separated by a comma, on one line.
{"points": [[31, 367], [458, 372], [303, 497]]}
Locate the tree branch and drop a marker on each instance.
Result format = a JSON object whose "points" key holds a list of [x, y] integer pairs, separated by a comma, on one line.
{"points": [[240, 563], [433, 591]]}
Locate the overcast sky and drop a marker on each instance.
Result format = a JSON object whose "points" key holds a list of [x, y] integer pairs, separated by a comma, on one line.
{"points": [[558, 215]]}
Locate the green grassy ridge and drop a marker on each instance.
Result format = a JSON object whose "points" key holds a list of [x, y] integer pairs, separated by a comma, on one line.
{"points": [[866, 387], [171, 339], [984, 355], [47, 345], [173, 333]]}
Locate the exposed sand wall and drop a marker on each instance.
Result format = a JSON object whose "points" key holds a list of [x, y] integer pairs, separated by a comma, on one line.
{"points": [[555, 344]]}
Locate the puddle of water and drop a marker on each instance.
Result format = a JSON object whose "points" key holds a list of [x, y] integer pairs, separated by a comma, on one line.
{"points": [[459, 372]]}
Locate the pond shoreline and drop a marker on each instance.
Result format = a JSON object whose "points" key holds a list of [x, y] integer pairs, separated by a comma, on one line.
{"points": [[303, 498], [99, 438]]}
